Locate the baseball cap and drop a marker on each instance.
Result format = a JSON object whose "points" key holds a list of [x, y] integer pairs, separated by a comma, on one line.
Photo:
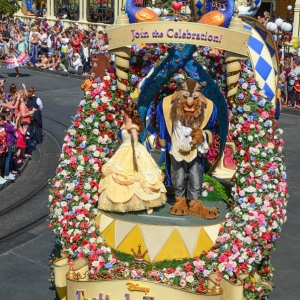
{"points": [[76, 24], [76, 54]]}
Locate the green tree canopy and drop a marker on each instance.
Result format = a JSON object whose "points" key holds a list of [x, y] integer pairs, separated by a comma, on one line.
{"points": [[9, 7]]}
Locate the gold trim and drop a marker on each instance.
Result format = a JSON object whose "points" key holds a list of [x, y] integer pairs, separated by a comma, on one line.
{"points": [[162, 142], [166, 111]]}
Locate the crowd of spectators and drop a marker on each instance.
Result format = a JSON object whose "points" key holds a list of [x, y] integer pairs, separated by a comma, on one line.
{"points": [[288, 92], [53, 47], [20, 123]]}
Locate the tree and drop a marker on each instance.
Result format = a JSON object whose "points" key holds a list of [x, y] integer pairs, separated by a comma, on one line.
{"points": [[9, 7]]}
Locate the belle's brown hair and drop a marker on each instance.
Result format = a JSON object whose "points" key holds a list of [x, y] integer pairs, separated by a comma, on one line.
{"points": [[130, 109]]}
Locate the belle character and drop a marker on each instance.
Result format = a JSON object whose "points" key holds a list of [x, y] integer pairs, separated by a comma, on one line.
{"points": [[131, 179]]}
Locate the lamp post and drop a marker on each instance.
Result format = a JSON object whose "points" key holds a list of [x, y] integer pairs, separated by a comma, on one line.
{"points": [[289, 10]]}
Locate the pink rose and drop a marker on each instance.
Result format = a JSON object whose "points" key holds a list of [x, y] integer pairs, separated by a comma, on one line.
{"points": [[222, 258], [265, 115]]}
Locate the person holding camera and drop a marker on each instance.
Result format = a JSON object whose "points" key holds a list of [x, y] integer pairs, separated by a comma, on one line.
{"points": [[76, 65]]}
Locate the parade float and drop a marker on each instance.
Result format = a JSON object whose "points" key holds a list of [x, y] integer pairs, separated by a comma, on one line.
{"points": [[112, 255]]}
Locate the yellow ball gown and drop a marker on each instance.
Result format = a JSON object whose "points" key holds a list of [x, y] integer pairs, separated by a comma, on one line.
{"points": [[125, 188]]}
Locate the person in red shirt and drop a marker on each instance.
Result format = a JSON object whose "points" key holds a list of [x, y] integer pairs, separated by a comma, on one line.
{"points": [[75, 42]]}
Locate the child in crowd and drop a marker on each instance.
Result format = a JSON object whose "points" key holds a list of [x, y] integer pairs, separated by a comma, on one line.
{"points": [[70, 52], [21, 141], [3, 150]]}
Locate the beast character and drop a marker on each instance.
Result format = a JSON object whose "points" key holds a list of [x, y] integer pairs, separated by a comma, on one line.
{"points": [[186, 120]]}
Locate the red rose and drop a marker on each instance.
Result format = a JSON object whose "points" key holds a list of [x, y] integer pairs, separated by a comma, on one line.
{"points": [[109, 117], [169, 270]]}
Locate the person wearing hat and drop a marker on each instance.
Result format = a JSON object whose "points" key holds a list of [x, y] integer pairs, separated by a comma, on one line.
{"points": [[76, 65]]}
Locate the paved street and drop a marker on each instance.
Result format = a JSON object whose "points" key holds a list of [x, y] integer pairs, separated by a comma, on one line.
{"points": [[24, 269]]}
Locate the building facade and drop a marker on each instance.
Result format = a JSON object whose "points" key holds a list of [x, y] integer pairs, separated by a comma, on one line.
{"points": [[99, 13]]}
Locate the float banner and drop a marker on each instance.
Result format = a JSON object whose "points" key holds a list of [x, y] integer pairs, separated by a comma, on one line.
{"points": [[141, 290], [180, 33]]}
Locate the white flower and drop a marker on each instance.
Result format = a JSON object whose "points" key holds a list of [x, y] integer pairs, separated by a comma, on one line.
{"points": [[250, 138], [246, 107], [95, 263], [221, 267], [96, 153], [95, 104], [96, 167], [189, 279], [87, 186], [80, 168], [89, 120], [204, 194]]}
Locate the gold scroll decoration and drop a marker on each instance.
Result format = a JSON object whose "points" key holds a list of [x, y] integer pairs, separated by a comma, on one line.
{"points": [[217, 289]]}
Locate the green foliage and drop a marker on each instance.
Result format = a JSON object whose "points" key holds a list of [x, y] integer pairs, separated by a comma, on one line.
{"points": [[9, 7], [223, 190]]}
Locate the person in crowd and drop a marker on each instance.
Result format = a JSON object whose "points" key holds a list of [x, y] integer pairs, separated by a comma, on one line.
{"points": [[20, 40], [50, 41], [70, 52], [76, 65], [43, 41], [10, 141], [34, 44], [75, 42], [297, 93], [283, 88], [43, 10], [35, 104], [85, 54], [3, 150], [43, 61], [44, 24], [21, 134], [64, 42], [15, 58], [62, 63], [87, 83], [293, 77]]}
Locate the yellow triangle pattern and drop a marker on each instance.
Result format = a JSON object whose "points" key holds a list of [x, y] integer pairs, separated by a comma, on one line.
{"points": [[109, 234], [105, 221], [174, 248], [98, 219], [203, 243], [132, 240], [213, 231]]}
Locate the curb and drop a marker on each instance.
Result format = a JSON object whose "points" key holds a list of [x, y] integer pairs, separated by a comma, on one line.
{"points": [[53, 72], [20, 171]]}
